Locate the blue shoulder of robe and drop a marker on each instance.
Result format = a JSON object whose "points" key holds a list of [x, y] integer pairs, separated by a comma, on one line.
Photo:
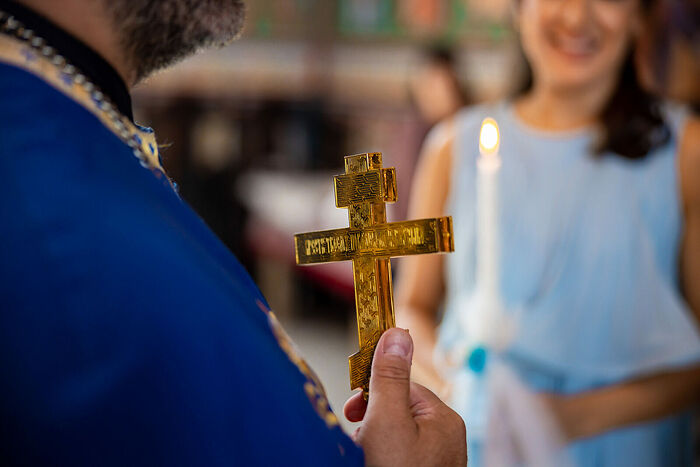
{"points": [[129, 335]]}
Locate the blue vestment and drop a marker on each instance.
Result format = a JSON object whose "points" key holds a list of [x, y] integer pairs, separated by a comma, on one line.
{"points": [[129, 335]]}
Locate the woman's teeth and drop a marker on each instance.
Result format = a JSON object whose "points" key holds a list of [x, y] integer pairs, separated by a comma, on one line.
{"points": [[577, 46]]}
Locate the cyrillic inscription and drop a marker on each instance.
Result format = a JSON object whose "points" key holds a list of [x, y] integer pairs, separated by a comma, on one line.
{"points": [[395, 239]]}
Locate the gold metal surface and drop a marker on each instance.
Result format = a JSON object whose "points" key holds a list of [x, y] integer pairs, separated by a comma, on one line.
{"points": [[375, 186], [370, 242]]}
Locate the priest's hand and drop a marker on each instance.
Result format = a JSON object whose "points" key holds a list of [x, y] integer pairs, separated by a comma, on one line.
{"points": [[404, 423]]}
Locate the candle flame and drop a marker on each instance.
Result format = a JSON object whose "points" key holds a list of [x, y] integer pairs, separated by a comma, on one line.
{"points": [[488, 137]]}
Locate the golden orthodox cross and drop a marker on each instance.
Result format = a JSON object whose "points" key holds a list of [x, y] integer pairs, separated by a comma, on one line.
{"points": [[370, 242]]}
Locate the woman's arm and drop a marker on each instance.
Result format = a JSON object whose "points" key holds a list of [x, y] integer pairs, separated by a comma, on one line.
{"points": [[690, 189], [637, 401], [420, 287], [656, 396]]}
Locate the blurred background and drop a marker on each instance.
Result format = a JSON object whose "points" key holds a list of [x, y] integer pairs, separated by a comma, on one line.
{"points": [[253, 133]]}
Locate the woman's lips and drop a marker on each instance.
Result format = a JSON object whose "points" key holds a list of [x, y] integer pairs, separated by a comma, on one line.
{"points": [[576, 47]]}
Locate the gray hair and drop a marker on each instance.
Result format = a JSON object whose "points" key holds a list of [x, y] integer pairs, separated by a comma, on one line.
{"points": [[154, 34]]}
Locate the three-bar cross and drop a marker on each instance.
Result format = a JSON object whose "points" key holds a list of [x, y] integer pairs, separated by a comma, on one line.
{"points": [[370, 242]]}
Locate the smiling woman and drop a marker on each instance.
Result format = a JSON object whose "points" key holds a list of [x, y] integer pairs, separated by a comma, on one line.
{"points": [[582, 44], [592, 235], [577, 43]]}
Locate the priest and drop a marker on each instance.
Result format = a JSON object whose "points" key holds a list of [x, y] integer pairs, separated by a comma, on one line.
{"points": [[129, 335]]}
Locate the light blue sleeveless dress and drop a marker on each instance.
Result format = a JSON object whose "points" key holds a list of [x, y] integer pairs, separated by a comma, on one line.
{"points": [[590, 260]]}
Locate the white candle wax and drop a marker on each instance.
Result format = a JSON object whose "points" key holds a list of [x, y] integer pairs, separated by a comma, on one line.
{"points": [[485, 323], [488, 228]]}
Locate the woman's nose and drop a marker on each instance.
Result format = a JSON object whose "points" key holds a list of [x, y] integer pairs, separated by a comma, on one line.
{"points": [[575, 14]]}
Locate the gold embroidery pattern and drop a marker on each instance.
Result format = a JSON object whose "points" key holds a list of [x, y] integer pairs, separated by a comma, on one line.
{"points": [[21, 48], [312, 387]]}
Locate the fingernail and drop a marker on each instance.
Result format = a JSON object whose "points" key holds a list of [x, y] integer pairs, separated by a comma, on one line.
{"points": [[397, 343]]}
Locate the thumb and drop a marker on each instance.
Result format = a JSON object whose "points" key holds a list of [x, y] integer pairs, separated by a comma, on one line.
{"points": [[389, 382]]}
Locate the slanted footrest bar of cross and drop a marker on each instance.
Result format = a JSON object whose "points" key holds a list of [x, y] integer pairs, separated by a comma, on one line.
{"points": [[360, 364], [381, 241]]}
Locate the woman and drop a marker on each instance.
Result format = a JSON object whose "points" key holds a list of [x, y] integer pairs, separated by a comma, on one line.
{"points": [[600, 241]]}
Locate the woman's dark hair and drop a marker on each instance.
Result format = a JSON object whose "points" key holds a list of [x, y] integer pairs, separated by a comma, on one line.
{"points": [[632, 124]]}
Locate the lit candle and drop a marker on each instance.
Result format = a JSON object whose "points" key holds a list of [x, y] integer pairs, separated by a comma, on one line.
{"points": [[485, 324], [487, 210]]}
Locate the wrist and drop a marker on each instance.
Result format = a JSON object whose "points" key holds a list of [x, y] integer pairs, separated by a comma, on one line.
{"points": [[575, 414]]}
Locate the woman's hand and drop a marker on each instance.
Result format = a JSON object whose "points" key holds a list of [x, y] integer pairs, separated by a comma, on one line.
{"points": [[571, 414], [639, 400]]}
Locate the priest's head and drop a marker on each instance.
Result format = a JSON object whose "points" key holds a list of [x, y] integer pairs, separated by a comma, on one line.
{"points": [[157, 33], [139, 37]]}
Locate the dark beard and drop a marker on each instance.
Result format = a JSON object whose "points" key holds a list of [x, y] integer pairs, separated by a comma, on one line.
{"points": [[154, 34]]}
